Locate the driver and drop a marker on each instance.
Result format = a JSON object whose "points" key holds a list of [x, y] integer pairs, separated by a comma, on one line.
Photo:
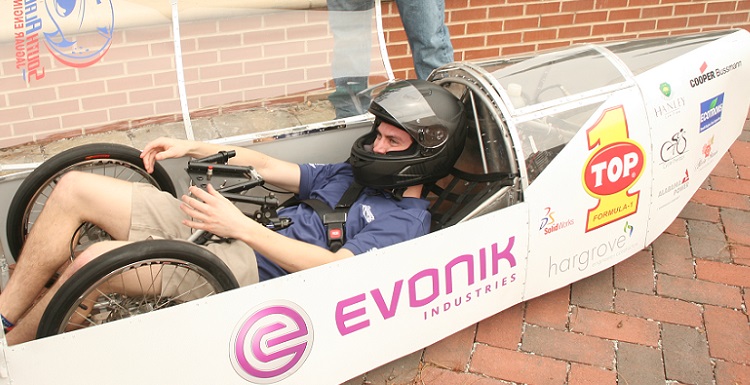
{"points": [[418, 134]]}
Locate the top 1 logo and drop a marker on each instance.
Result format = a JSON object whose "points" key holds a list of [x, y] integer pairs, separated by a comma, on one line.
{"points": [[612, 169]]}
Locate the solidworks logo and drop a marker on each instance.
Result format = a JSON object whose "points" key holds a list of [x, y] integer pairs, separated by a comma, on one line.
{"points": [[272, 342]]}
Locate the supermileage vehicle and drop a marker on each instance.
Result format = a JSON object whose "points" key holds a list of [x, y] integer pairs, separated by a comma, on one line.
{"points": [[575, 160]]}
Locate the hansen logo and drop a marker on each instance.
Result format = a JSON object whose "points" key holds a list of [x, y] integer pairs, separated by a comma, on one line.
{"points": [[612, 169], [711, 112], [272, 342]]}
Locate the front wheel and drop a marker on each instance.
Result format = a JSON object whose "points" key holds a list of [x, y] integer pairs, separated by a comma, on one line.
{"points": [[137, 278], [114, 160]]}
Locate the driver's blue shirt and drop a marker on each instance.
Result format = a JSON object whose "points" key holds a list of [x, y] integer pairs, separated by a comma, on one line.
{"points": [[375, 220]]}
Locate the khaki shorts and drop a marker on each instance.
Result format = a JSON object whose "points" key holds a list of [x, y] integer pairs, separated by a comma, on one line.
{"points": [[156, 214]]}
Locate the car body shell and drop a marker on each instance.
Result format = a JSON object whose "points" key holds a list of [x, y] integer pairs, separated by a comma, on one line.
{"points": [[577, 159]]}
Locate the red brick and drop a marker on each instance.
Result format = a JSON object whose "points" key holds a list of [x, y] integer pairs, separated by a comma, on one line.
{"points": [[700, 212], [437, 376], [469, 14], [744, 172], [624, 14], [550, 310], [695, 290], [578, 5], [615, 326], [728, 373], [678, 227], [518, 49], [728, 334], [736, 225], [505, 11], [523, 23], [658, 308], [484, 27], [736, 186], [671, 23], [541, 8], [731, 18], [589, 375], [740, 254], [725, 167], [655, 12], [672, 256], [556, 20], [720, 6], [539, 34], [517, 367], [590, 17], [740, 152], [566, 346], [695, 21], [574, 31], [721, 199], [691, 9], [636, 273], [594, 292], [504, 38], [639, 26], [452, 352], [729, 274], [503, 329], [608, 29]]}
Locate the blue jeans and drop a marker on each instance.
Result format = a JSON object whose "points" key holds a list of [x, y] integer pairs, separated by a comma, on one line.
{"points": [[429, 39], [350, 22]]}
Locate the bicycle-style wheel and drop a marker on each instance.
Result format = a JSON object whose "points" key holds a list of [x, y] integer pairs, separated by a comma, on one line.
{"points": [[137, 278], [109, 159]]}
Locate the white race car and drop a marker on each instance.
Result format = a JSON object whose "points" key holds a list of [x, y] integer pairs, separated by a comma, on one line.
{"points": [[576, 160]]}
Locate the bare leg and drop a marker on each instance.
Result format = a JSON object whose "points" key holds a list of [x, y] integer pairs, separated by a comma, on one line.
{"points": [[26, 328], [78, 198]]}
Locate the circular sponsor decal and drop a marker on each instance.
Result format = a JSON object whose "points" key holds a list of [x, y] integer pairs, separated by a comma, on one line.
{"points": [[271, 342]]}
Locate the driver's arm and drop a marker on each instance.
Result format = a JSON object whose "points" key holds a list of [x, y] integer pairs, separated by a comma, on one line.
{"points": [[212, 212], [283, 174]]}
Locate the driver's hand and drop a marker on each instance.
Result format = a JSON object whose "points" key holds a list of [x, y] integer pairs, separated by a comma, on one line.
{"points": [[212, 212], [163, 148]]}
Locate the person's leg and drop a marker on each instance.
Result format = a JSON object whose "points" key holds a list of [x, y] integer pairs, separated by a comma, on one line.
{"points": [[429, 39], [26, 328], [77, 198], [350, 22]]}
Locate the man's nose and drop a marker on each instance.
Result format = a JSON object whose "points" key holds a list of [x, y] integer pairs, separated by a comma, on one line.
{"points": [[379, 147]]}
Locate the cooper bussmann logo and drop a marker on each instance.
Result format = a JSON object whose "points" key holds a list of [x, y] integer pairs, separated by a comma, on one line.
{"points": [[613, 168], [707, 76], [271, 342]]}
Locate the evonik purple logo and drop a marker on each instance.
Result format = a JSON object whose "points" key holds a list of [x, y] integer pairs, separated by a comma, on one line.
{"points": [[271, 342], [434, 290]]}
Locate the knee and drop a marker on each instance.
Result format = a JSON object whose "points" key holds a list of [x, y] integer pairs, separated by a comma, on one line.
{"points": [[92, 252], [69, 184]]}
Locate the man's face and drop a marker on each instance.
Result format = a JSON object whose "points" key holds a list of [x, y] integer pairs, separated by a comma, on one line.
{"points": [[390, 138]]}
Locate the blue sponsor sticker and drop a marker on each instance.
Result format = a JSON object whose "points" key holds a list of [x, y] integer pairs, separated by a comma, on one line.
{"points": [[711, 112]]}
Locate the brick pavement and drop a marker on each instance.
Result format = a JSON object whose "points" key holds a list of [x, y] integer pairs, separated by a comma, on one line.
{"points": [[675, 313]]}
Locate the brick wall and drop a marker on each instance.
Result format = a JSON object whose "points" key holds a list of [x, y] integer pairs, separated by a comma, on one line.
{"points": [[135, 83], [490, 28]]}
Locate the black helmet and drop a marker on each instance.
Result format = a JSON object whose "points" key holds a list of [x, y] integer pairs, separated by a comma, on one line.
{"points": [[432, 116]]}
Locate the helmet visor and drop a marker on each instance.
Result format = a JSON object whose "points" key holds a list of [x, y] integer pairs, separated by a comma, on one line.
{"points": [[413, 113]]}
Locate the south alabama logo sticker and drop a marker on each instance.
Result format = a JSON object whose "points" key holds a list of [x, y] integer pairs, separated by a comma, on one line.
{"points": [[613, 168], [271, 342]]}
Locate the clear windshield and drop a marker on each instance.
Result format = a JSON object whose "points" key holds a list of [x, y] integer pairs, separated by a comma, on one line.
{"points": [[83, 66]]}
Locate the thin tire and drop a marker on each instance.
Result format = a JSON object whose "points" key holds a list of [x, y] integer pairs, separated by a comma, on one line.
{"points": [[88, 298], [110, 159]]}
